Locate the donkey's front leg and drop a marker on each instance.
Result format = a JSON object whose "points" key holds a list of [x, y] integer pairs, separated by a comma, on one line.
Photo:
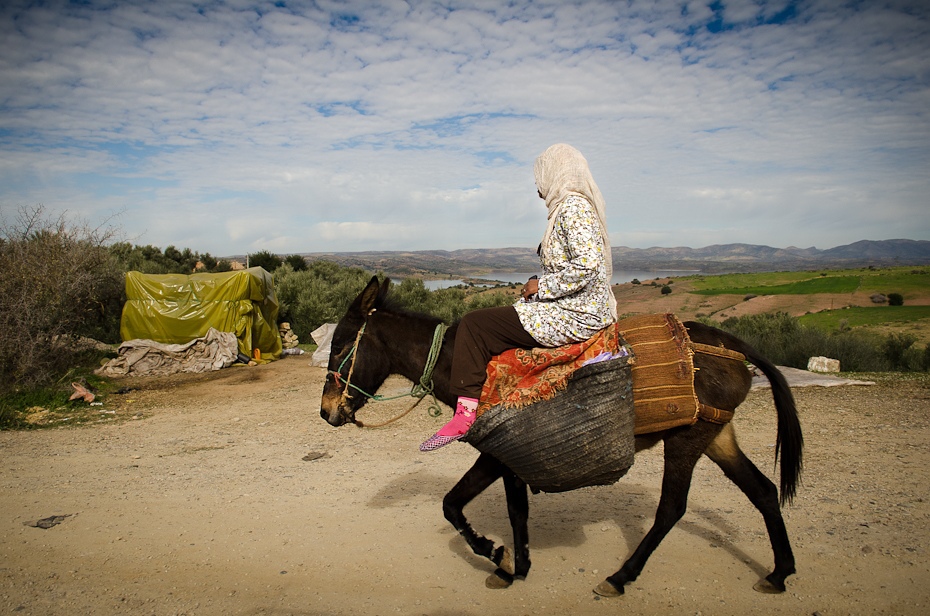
{"points": [[518, 509], [479, 477]]}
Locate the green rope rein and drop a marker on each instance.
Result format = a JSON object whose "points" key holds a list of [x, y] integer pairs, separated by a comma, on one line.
{"points": [[419, 390]]}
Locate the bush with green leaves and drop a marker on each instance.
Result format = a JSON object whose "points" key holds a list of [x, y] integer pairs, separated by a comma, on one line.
{"points": [[322, 294], [786, 342], [317, 295], [895, 299], [895, 349]]}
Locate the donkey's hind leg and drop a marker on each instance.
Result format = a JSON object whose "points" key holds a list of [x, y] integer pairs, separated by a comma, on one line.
{"points": [[683, 448], [763, 494], [479, 477]]}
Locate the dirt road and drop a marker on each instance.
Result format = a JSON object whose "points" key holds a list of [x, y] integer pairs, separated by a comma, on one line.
{"points": [[229, 495]]}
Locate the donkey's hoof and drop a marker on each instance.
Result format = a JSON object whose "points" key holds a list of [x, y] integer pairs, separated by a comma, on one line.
{"points": [[606, 589], [765, 586], [498, 580], [507, 563]]}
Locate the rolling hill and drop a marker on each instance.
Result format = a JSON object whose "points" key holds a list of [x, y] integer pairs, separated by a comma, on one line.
{"points": [[709, 259]]}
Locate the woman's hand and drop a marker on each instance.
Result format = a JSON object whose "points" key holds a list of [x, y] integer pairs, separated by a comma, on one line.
{"points": [[530, 288]]}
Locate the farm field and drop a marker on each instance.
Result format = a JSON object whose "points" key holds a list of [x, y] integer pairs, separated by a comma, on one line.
{"points": [[820, 298]]}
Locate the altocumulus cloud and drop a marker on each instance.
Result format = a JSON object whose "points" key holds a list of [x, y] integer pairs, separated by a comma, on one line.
{"points": [[232, 127]]}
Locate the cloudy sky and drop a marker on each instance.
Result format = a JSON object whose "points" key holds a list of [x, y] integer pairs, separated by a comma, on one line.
{"points": [[294, 126]]}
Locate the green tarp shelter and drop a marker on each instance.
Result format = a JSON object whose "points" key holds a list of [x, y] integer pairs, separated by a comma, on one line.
{"points": [[177, 308]]}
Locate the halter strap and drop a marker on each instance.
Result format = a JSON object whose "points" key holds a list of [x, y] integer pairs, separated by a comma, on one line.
{"points": [[419, 389]]}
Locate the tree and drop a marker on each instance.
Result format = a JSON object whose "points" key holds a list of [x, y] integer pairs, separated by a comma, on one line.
{"points": [[666, 290], [297, 262], [209, 261], [895, 299], [151, 259], [265, 259]]}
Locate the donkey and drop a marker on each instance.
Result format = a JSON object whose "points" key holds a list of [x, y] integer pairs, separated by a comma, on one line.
{"points": [[376, 339]]}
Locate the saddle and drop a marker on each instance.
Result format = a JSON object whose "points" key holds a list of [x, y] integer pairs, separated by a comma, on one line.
{"points": [[586, 412], [662, 368]]}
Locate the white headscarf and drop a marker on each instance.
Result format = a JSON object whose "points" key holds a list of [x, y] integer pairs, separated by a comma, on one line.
{"points": [[562, 171]]}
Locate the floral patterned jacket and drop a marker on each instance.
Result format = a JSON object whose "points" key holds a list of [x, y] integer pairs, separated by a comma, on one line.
{"points": [[572, 302]]}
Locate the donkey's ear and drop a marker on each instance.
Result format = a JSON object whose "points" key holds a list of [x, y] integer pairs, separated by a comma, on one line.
{"points": [[382, 293], [368, 298]]}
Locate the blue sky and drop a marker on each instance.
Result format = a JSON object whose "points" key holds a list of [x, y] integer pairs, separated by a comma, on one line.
{"points": [[233, 127]]}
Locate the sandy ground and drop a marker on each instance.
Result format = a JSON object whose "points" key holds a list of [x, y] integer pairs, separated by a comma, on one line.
{"points": [[229, 495]]}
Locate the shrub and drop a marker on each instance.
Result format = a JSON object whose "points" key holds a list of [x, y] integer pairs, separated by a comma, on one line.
{"points": [[784, 341], [895, 299], [488, 300], [635, 281], [448, 304], [320, 294], [895, 349], [59, 281], [857, 352], [665, 290]]}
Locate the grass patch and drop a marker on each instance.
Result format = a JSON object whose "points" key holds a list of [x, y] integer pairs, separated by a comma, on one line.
{"points": [[808, 286], [49, 407], [735, 281], [859, 316], [909, 282]]}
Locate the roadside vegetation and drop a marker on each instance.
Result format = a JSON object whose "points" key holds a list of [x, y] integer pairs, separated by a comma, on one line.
{"points": [[63, 288], [786, 341], [863, 338]]}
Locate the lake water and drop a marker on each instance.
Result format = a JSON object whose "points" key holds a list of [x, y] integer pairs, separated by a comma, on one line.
{"points": [[620, 276]]}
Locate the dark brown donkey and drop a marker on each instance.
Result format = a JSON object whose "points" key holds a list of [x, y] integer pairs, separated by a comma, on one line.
{"points": [[375, 339]]}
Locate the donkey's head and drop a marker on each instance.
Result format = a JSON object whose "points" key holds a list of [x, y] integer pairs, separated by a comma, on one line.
{"points": [[359, 362]]}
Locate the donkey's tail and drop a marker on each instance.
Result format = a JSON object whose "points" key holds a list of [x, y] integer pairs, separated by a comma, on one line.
{"points": [[789, 443]]}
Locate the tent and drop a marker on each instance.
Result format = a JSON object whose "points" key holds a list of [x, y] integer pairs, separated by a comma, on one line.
{"points": [[177, 308]]}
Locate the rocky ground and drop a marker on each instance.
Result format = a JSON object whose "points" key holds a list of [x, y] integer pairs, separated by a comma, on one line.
{"points": [[227, 494]]}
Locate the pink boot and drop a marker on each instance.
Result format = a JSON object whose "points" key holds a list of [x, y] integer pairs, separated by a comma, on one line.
{"points": [[456, 428]]}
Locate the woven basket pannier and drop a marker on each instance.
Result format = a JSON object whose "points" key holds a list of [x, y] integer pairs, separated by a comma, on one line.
{"points": [[583, 436]]}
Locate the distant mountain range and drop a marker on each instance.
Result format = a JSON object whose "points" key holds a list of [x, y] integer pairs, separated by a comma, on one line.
{"points": [[710, 259]]}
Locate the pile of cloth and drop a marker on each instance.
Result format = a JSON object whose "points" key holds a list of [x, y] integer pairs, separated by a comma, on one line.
{"points": [[214, 351]]}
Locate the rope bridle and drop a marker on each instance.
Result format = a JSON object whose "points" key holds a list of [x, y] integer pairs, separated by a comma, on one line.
{"points": [[419, 390]]}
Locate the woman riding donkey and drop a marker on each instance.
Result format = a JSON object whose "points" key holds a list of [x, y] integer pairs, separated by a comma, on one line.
{"points": [[570, 302]]}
